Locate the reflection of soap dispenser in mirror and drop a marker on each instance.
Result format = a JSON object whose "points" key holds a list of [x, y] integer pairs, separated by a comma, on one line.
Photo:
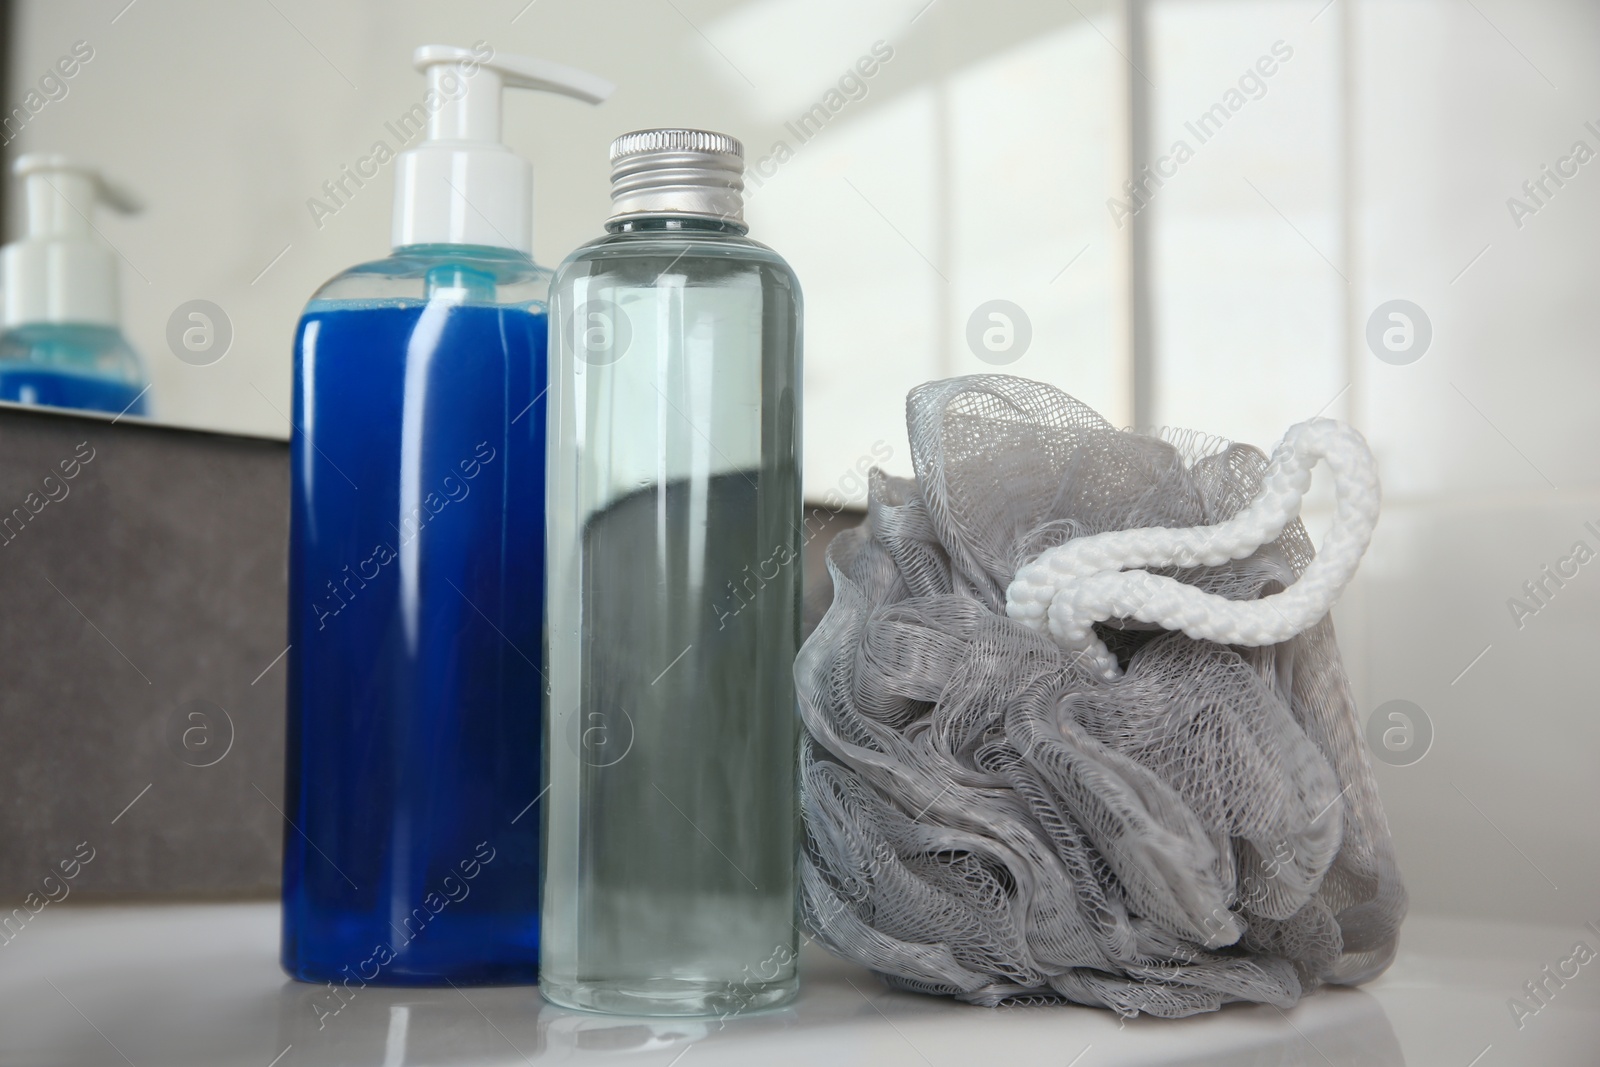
{"points": [[62, 344], [416, 566]]}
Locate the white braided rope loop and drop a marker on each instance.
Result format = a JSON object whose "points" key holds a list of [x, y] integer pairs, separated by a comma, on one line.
{"points": [[1066, 589]]}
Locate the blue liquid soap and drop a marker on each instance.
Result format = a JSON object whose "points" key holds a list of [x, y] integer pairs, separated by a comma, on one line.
{"points": [[71, 365], [415, 611], [416, 569]]}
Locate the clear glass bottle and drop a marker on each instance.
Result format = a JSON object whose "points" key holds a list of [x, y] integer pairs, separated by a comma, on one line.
{"points": [[672, 610]]}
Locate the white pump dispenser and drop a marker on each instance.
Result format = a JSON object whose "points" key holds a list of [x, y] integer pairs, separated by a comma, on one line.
{"points": [[62, 271], [462, 186]]}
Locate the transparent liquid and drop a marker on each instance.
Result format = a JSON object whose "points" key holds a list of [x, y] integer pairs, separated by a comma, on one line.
{"points": [[673, 621]]}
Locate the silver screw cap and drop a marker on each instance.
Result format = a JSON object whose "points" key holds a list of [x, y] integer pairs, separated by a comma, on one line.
{"points": [[677, 173]]}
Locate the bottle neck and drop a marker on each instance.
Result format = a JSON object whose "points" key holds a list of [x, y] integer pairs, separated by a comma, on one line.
{"points": [[671, 224], [488, 253]]}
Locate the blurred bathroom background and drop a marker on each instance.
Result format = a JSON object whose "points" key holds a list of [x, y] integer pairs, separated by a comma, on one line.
{"points": [[950, 181]]}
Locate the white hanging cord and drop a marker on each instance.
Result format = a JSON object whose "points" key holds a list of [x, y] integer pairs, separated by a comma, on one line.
{"points": [[1066, 589]]}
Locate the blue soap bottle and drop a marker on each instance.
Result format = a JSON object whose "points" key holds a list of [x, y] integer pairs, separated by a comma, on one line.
{"points": [[61, 340], [416, 567]]}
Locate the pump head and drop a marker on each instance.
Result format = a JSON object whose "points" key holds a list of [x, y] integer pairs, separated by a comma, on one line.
{"points": [[461, 185], [61, 270]]}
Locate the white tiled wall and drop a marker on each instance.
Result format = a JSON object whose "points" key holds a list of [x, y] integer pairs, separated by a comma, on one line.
{"points": [[1388, 173], [1490, 443]]}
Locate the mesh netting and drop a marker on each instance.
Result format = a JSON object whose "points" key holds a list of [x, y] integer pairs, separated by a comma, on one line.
{"points": [[988, 818]]}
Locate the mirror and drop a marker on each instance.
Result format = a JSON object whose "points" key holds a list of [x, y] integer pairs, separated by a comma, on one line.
{"points": [[260, 141]]}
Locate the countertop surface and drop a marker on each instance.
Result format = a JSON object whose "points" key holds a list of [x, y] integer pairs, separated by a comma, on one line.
{"points": [[175, 985]]}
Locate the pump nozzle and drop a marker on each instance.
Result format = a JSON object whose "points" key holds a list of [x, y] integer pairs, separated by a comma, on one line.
{"points": [[60, 271], [461, 185]]}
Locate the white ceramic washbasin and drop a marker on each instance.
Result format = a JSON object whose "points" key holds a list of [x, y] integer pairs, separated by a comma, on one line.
{"points": [[199, 984]]}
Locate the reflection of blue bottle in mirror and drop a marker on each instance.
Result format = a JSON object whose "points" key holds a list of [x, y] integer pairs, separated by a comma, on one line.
{"points": [[62, 344], [416, 567]]}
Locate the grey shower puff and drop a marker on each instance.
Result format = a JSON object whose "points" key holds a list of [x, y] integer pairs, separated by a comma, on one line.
{"points": [[986, 818]]}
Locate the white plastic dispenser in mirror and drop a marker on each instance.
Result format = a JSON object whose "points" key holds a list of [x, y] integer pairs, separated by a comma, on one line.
{"points": [[674, 600], [62, 343], [416, 566]]}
